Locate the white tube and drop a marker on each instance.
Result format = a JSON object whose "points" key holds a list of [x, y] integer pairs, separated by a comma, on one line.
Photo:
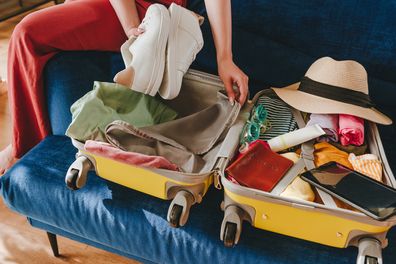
{"points": [[295, 138]]}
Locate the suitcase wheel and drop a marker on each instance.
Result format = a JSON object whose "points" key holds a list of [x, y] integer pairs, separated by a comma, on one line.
{"points": [[370, 251], [179, 209], [229, 234], [231, 227], [370, 260], [71, 180], [175, 214], [77, 174]]}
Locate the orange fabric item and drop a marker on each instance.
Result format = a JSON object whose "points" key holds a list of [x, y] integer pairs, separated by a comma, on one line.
{"points": [[325, 152], [75, 25]]}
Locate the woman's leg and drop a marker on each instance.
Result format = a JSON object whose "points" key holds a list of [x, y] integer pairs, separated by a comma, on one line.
{"points": [[77, 25], [6, 159]]}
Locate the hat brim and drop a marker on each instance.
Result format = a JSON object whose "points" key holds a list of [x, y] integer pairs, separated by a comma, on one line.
{"points": [[309, 103]]}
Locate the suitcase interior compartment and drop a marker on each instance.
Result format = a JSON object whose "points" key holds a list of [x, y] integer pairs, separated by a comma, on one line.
{"points": [[311, 221]]}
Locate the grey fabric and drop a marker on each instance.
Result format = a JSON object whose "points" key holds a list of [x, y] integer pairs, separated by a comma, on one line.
{"points": [[183, 141]]}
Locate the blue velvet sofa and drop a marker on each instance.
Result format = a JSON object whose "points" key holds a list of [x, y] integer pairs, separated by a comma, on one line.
{"points": [[274, 42]]}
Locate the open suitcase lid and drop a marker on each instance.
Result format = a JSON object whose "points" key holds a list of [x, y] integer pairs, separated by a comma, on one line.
{"points": [[204, 81]]}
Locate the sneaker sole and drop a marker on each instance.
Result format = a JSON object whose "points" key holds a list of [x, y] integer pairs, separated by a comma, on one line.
{"points": [[171, 90], [159, 67]]}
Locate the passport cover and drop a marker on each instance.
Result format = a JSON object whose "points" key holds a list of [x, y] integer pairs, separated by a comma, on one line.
{"points": [[259, 168]]}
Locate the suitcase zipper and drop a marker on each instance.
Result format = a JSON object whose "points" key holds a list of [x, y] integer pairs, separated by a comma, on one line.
{"points": [[218, 172]]}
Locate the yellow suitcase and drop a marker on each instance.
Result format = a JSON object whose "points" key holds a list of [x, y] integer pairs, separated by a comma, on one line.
{"points": [[310, 221], [184, 189]]}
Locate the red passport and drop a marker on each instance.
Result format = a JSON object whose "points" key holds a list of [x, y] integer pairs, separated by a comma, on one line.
{"points": [[259, 168]]}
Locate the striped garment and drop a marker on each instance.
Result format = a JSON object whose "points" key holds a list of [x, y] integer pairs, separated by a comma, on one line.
{"points": [[367, 164], [280, 117]]}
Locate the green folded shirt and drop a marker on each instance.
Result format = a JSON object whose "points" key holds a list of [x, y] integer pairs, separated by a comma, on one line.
{"points": [[108, 102]]}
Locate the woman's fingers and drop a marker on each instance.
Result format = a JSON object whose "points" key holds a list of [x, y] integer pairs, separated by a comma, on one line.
{"points": [[140, 31], [230, 91], [134, 32], [242, 82], [244, 88]]}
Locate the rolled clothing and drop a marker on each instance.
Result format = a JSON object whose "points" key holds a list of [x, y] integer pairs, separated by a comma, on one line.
{"points": [[329, 123], [367, 164], [108, 102], [183, 141], [132, 158], [325, 152], [280, 117], [351, 130]]}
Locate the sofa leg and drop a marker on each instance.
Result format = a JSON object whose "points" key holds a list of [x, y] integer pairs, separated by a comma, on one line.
{"points": [[54, 243]]}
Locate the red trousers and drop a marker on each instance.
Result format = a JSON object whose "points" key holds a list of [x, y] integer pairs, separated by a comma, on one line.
{"points": [[76, 25]]}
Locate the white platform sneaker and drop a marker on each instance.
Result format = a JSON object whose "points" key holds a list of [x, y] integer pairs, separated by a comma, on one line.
{"points": [[184, 42], [144, 56]]}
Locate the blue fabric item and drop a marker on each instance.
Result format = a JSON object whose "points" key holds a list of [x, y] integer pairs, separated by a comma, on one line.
{"points": [[119, 218]]}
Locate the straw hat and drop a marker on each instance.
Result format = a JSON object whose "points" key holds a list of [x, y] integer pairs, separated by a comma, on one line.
{"points": [[333, 87]]}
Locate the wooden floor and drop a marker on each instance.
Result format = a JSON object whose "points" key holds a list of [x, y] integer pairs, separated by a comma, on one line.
{"points": [[5, 122], [19, 242]]}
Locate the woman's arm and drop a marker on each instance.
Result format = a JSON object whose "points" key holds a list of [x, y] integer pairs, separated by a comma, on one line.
{"points": [[219, 13], [127, 14]]}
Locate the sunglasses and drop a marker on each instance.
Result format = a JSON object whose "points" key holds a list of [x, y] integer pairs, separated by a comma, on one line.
{"points": [[257, 125]]}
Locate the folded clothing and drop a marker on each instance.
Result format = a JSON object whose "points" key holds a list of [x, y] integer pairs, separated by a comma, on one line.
{"points": [[329, 123], [298, 188], [367, 164], [351, 130], [108, 102], [357, 150], [280, 117], [132, 158], [325, 152]]}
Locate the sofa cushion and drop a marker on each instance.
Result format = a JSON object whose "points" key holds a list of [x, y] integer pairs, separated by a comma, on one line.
{"points": [[359, 30], [135, 223]]}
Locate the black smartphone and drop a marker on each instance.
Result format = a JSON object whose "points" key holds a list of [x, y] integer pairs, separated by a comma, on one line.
{"points": [[373, 198]]}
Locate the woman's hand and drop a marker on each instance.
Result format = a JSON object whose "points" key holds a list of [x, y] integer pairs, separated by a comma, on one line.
{"points": [[230, 74], [219, 13], [134, 32]]}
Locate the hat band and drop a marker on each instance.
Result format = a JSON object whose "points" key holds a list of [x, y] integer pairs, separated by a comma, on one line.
{"points": [[335, 93]]}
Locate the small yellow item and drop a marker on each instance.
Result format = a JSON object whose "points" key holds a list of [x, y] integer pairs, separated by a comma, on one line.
{"points": [[298, 189]]}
